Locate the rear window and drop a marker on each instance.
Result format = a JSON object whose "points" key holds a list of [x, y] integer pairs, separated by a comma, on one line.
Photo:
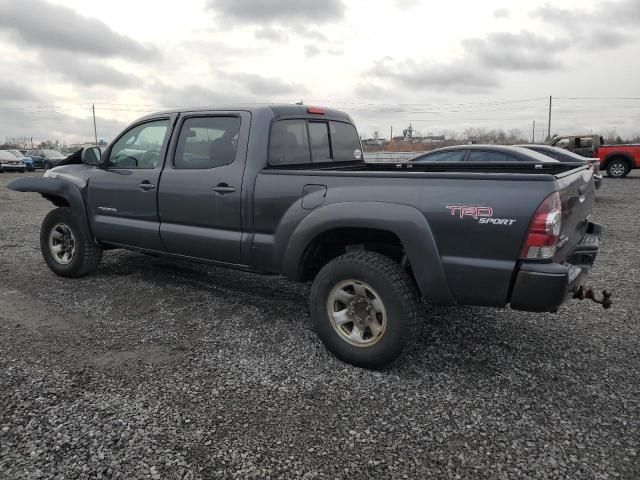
{"points": [[346, 143], [319, 137], [289, 143], [295, 142], [559, 154]]}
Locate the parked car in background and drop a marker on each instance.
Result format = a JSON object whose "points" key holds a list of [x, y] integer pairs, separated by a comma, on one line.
{"points": [[28, 161], [482, 154], [10, 163], [45, 159], [617, 160], [563, 155]]}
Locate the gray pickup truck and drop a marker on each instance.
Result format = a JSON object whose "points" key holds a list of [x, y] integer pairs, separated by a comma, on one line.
{"points": [[284, 189]]}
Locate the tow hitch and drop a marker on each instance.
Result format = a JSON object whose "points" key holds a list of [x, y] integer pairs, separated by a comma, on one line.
{"points": [[588, 294]]}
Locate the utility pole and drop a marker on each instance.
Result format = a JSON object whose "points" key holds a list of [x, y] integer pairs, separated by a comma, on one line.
{"points": [[95, 130], [549, 124], [533, 133], [391, 137]]}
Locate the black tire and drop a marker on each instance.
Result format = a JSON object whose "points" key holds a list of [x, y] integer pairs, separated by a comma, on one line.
{"points": [[397, 292], [618, 168], [22, 170], [87, 253]]}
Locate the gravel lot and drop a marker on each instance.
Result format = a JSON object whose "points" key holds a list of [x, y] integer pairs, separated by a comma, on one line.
{"points": [[162, 370]]}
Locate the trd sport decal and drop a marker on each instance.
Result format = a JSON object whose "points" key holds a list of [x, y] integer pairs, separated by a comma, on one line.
{"points": [[483, 215]]}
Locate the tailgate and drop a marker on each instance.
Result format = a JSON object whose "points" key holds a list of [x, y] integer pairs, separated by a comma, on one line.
{"points": [[577, 194]]}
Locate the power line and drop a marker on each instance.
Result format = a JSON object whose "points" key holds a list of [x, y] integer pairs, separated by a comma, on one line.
{"points": [[599, 98]]}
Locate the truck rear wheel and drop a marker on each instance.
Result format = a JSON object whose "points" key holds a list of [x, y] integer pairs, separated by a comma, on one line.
{"points": [[618, 168], [365, 309], [67, 246]]}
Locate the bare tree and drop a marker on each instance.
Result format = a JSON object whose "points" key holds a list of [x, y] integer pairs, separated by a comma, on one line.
{"points": [[515, 136]]}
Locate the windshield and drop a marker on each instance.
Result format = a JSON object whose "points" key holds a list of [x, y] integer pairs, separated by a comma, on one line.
{"points": [[52, 154], [5, 155], [17, 153]]}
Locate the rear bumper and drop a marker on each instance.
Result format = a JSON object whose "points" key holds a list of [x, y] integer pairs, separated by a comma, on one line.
{"points": [[543, 287]]}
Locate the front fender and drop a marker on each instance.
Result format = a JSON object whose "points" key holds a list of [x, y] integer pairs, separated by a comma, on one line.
{"points": [[406, 222], [53, 187]]}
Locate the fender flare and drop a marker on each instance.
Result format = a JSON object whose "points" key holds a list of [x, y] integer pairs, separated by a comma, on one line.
{"points": [[406, 222], [53, 187], [613, 155]]}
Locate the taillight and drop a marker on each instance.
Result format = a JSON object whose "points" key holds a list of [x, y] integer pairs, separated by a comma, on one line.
{"points": [[544, 230]]}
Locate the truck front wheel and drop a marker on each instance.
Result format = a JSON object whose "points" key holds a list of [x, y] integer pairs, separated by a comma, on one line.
{"points": [[365, 308], [618, 168], [67, 246]]}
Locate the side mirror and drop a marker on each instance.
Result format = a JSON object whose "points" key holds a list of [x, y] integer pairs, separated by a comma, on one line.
{"points": [[91, 156]]}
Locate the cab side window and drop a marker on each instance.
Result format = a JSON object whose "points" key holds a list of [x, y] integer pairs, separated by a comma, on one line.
{"points": [[140, 147], [488, 156], [447, 156], [584, 142], [207, 142]]}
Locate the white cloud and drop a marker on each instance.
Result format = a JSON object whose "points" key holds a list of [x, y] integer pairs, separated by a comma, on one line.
{"points": [[133, 57]]}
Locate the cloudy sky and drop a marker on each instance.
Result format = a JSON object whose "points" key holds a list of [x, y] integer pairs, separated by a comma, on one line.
{"points": [[440, 65]]}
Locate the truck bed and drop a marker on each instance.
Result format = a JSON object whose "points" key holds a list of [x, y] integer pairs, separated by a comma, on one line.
{"points": [[551, 168]]}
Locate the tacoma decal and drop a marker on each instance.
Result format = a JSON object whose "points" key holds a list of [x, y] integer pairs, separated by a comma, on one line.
{"points": [[108, 209]]}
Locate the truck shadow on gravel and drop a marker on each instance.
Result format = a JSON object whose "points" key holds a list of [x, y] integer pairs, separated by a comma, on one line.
{"points": [[217, 280], [454, 339]]}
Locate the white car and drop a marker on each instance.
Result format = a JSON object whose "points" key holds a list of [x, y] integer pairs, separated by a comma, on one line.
{"points": [[10, 163]]}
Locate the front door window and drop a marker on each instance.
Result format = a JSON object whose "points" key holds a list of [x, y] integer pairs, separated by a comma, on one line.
{"points": [[140, 147]]}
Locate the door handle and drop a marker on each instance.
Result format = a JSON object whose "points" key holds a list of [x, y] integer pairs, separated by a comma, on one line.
{"points": [[223, 188], [146, 186]]}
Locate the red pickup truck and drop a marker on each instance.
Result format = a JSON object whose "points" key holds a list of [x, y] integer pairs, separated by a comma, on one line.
{"points": [[617, 160]]}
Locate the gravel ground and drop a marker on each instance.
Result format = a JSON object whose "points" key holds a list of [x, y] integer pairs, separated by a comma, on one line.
{"points": [[163, 370]]}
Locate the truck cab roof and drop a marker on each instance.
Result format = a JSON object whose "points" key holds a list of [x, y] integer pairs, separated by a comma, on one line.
{"points": [[277, 110]]}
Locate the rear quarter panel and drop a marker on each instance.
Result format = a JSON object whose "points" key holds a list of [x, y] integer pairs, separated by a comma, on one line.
{"points": [[479, 256], [631, 152], [476, 258]]}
